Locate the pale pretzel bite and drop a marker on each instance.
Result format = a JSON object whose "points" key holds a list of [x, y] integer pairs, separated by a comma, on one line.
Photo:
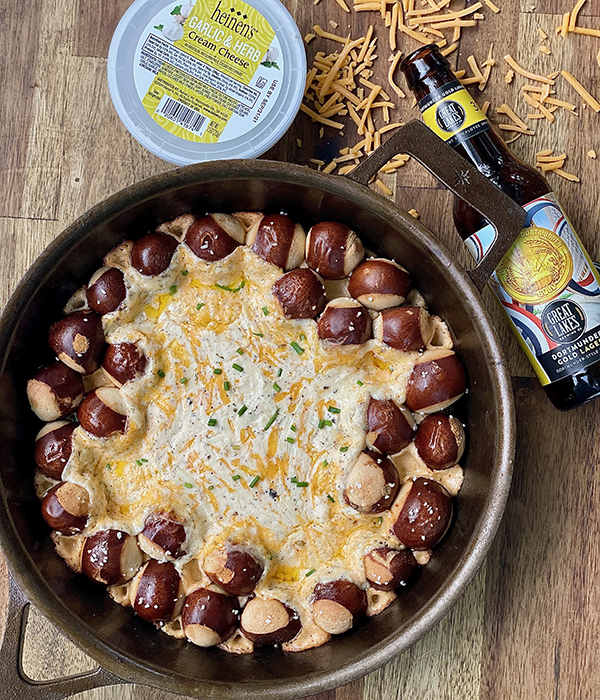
{"points": [[379, 284], [338, 605], [155, 591], [209, 617], [234, 569], [440, 441], [372, 484], [78, 340], [333, 250], [300, 293], [111, 557], [389, 428], [103, 412], [387, 569], [124, 362], [162, 537], [214, 237], [53, 446], [66, 508], [407, 328], [344, 322], [422, 513], [437, 380], [55, 391], [269, 621], [106, 290], [279, 240], [152, 254]]}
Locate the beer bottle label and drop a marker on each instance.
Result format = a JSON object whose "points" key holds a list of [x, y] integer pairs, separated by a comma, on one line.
{"points": [[549, 289], [452, 114]]}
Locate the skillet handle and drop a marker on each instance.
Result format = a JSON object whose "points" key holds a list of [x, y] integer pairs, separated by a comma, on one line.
{"points": [[460, 177], [15, 684]]}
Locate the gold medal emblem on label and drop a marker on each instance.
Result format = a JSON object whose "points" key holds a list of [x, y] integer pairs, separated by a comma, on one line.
{"points": [[537, 267]]}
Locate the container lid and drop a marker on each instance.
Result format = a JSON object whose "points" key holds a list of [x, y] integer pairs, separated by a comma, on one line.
{"points": [[198, 80]]}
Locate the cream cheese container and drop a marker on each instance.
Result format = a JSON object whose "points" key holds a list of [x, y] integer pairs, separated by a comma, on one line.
{"points": [[199, 80]]}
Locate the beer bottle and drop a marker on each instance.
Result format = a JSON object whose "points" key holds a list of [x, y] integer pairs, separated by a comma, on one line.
{"points": [[546, 283]]}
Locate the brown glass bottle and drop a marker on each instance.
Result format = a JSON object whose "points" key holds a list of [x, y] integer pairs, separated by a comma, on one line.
{"points": [[555, 314]]}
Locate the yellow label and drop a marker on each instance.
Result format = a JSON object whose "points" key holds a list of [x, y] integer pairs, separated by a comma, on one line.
{"points": [[208, 62], [452, 114], [537, 267]]}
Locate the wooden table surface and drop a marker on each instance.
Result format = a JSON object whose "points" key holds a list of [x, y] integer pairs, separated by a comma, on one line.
{"points": [[528, 626]]}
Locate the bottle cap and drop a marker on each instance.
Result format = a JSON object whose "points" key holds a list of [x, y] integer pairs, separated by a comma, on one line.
{"points": [[200, 80]]}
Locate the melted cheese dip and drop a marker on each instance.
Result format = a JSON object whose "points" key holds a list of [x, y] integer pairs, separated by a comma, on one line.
{"points": [[243, 426]]}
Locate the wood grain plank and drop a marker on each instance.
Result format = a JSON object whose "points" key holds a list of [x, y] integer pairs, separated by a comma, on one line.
{"points": [[95, 23]]}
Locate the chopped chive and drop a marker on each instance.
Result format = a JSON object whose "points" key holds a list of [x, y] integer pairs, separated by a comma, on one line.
{"points": [[302, 336], [330, 498], [236, 477], [235, 447], [260, 335], [161, 374], [108, 466], [238, 367], [226, 386], [242, 410], [302, 484], [137, 461], [217, 371], [359, 383], [240, 351], [184, 272], [344, 449], [212, 422], [270, 556], [279, 372], [323, 423], [172, 289], [183, 380], [309, 573], [296, 347], [271, 420], [324, 462], [188, 485], [199, 306], [276, 387], [254, 481], [293, 427], [231, 289], [211, 487], [378, 520], [333, 409], [143, 460], [290, 440], [265, 310]]}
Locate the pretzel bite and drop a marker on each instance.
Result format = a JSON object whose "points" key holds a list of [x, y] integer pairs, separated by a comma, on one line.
{"points": [[333, 250], [389, 428], [387, 569], [77, 340], [214, 237], [53, 446], [422, 513], [66, 508], [337, 605], [106, 290], [379, 284], [300, 293], [440, 441], [407, 328], [344, 322], [209, 617], [278, 240], [55, 391], [162, 537], [124, 362], [372, 483], [234, 569], [111, 557], [155, 591], [103, 412], [437, 380], [152, 254], [269, 621]]}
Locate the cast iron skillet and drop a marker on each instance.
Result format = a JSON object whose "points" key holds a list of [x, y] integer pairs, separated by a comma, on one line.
{"points": [[131, 650]]}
